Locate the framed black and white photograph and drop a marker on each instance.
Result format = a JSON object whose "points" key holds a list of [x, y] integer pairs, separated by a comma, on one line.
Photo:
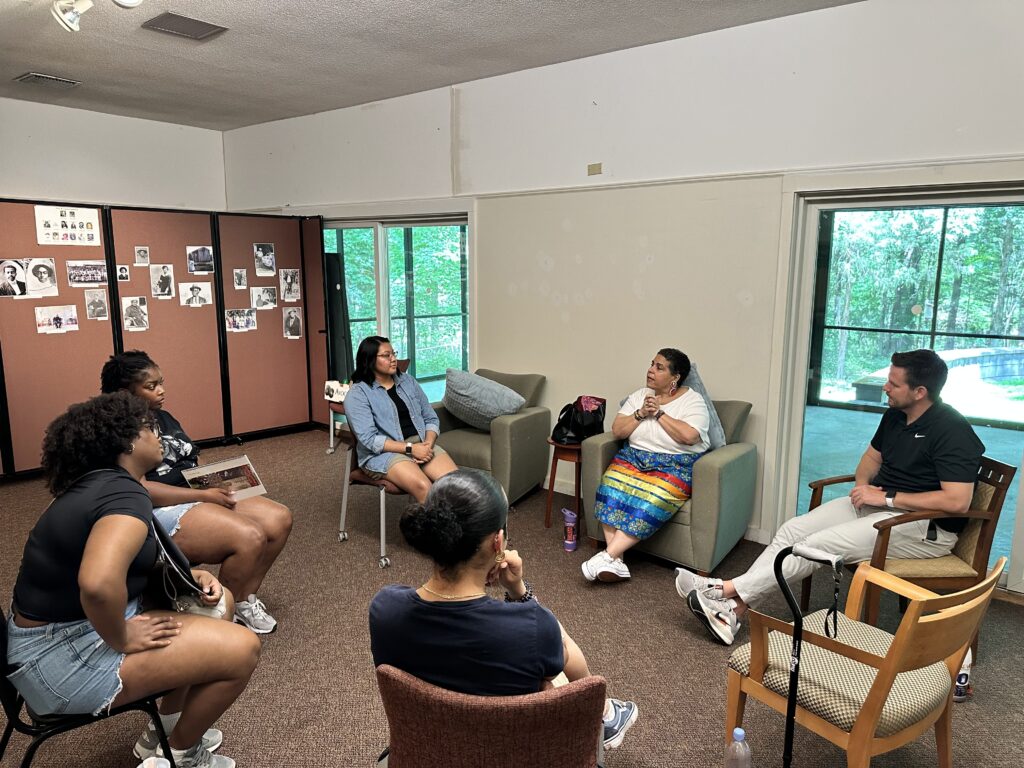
{"points": [[12, 278], [291, 289], [240, 320], [161, 279], [240, 279], [236, 476], [141, 255], [135, 313], [86, 274], [292, 323], [195, 294], [200, 259], [263, 298], [57, 319], [265, 258], [123, 275], [96, 304], [41, 277]]}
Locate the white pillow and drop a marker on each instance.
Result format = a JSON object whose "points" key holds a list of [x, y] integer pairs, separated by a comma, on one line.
{"points": [[478, 401]]}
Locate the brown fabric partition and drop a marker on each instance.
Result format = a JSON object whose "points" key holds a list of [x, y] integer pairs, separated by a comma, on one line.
{"points": [[182, 340], [316, 339], [45, 373], [268, 372]]}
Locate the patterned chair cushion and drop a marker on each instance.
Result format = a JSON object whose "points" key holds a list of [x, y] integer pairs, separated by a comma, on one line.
{"points": [[834, 688], [930, 568]]}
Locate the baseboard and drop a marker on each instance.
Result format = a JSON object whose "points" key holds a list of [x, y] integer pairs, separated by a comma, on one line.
{"points": [[758, 535]]}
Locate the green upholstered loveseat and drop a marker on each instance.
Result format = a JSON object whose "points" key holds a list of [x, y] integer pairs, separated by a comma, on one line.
{"points": [[711, 523], [515, 449]]}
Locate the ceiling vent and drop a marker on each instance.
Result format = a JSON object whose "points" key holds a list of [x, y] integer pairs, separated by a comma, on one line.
{"points": [[49, 81], [183, 26]]}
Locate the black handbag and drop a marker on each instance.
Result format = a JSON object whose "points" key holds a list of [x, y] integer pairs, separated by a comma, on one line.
{"points": [[579, 420], [179, 586]]}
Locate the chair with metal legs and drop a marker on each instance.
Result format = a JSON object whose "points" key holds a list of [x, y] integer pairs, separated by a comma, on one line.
{"points": [[358, 477]]}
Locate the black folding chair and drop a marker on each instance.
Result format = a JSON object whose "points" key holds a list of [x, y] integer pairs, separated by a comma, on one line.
{"points": [[41, 727]]}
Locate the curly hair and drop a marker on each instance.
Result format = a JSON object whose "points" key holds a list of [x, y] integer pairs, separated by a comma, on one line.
{"points": [[123, 370], [90, 435]]}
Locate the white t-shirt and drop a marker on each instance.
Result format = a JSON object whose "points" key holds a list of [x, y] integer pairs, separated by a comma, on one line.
{"points": [[649, 435]]}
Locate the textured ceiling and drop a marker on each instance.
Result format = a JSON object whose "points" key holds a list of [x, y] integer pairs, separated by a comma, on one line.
{"points": [[284, 58]]}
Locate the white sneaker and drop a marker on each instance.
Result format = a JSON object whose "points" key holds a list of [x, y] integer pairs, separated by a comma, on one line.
{"points": [[253, 614], [613, 570], [148, 744], [718, 616], [200, 757], [688, 581], [590, 567]]}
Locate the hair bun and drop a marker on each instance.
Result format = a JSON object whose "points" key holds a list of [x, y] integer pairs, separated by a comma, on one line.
{"points": [[432, 529]]}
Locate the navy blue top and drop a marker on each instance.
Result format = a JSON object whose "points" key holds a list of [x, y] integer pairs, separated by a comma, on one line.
{"points": [[482, 647]]}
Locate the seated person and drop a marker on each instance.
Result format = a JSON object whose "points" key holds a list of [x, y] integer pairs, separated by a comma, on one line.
{"points": [[78, 640], [924, 456], [393, 423], [208, 525], [449, 633], [665, 426]]}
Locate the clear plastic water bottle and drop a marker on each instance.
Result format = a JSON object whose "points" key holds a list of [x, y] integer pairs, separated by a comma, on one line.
{"points": [[570, 530], [963, 679], [737, 754]]}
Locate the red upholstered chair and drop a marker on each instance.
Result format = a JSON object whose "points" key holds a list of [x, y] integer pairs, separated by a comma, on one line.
{"points": [[356, 476], [433, 727]]}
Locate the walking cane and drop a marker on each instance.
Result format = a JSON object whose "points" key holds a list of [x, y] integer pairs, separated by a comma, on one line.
{"points": [[823, 558]]}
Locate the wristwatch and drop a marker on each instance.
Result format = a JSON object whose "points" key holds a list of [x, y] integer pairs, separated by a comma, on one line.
{"points": [[890, 495], [408, 449]]}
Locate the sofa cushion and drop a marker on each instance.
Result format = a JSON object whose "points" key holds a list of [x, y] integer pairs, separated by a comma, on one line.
{"points": [[716, 435], [468, 447], [477, 400], [526, 384]]}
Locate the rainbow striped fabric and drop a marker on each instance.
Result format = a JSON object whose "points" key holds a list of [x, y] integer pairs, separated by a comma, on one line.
{"points": [[641, 490]]}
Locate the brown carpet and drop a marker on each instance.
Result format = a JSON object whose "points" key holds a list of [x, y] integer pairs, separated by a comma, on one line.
{"points": [[313, 701]]}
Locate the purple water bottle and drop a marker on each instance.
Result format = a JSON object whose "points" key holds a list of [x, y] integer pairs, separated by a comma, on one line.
{"points": [[570, 530]]}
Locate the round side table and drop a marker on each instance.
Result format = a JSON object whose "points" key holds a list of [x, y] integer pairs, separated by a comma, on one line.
{"points": [[571, 453]]}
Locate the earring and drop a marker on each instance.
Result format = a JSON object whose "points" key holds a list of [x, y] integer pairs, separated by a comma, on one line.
{"points": [[500, 557], [675, 386], [131, 449]]}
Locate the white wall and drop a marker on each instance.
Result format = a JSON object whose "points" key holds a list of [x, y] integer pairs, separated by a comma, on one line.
{"points": [[389, 150], [61, 154]]}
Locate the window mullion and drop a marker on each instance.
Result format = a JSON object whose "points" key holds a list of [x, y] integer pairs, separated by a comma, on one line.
{"points": [[380, 268]]}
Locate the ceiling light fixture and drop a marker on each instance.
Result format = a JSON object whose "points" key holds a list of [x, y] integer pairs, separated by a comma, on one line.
{"points": [[128, 3], [68, 12]]}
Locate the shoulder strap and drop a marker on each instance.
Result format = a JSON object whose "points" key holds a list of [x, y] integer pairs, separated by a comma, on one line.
{"points": [[173, 556]]}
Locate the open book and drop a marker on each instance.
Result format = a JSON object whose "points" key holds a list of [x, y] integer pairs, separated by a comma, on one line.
{"points": [[235, 475]]}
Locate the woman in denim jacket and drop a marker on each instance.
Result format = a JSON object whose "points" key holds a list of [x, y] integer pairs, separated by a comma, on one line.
{"points": [[393, 422]]}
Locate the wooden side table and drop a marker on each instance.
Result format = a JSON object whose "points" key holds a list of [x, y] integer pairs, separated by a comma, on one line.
{"points": [[572, 453]]}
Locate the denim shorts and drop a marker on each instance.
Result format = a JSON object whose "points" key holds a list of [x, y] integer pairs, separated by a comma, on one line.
{"points": [[170, 517], [65, 668]]}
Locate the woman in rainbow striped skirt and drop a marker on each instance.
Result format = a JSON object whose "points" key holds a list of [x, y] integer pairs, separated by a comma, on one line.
{"points": [[665, 425]]}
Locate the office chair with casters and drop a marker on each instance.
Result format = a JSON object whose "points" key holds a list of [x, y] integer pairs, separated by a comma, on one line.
{"points": [[432, 727], [40, 728]]}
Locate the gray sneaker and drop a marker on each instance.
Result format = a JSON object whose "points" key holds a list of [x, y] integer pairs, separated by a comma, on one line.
{"points": [[253, 614], [148, 744], [200, 757], [624, 714], [688, 581], [718, 616]]}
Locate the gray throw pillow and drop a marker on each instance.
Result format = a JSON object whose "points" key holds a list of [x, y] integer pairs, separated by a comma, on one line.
{"points": [[478, 401], [716, 434]]}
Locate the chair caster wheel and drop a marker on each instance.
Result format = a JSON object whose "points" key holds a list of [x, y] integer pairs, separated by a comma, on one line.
{"points": [[384, 562], [342, 535], [330, 451]]}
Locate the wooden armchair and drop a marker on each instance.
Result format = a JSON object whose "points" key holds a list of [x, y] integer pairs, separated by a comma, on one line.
{"points": [[965, 566], [866, 691]]}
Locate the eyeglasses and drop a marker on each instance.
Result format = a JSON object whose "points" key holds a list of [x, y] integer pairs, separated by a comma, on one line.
{"points": [[388, 356], [152, 425]]}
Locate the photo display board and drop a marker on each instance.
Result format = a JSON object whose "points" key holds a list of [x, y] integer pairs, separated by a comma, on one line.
{"points": [[55, 326], [266, 321]]}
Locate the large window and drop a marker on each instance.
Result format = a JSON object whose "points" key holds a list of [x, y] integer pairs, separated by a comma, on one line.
{"points": [[948, 278], [407, 282]]}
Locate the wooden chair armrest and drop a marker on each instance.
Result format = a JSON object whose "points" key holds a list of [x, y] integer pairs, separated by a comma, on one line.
{"points": [[818, 486], [931, 514], [771, 624], [831, 481], [869, 574]]}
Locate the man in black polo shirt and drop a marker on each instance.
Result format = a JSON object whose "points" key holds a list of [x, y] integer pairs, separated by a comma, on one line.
{"points": [[924, 456]]}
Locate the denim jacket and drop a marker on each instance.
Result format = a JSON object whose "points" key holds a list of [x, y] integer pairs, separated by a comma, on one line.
{"points": [[373, 418]]}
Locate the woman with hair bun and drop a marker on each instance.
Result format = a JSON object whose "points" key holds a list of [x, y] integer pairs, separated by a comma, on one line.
{"points": [[449, 632], [665, 425]]}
